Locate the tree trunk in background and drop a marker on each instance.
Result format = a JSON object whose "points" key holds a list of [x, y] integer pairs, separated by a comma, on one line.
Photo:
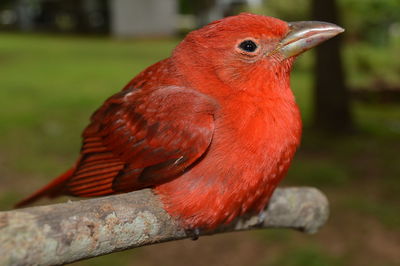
{"points": [[331, 96]]}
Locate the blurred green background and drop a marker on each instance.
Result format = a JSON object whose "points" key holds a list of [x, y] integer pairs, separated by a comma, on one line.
{"points": [[51, 83]]}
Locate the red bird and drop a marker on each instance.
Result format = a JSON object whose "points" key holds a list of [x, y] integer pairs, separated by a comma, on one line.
{"points": [[211, 129]]}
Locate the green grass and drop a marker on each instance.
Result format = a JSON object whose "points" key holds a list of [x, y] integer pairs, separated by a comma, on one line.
{"points": [[386, 212], [306, 256], [49, 87], [124, 258]]}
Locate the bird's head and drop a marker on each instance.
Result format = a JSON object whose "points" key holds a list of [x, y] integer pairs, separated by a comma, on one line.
{"points": [[250, 47]]}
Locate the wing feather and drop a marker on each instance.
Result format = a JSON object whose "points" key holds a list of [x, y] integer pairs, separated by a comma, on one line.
{"points": [[137, 140]]}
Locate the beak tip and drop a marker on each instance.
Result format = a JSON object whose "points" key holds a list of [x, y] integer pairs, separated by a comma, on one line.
{"points": [[335, 28]]}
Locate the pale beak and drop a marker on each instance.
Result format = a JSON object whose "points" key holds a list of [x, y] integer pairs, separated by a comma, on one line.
{"points": [[304, 35]]}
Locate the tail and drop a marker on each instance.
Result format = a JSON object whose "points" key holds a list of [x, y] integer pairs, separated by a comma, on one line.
{"points": [[53, 189]]}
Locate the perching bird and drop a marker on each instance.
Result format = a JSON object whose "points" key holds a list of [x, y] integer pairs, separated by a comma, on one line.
{"points": [[212, 129]]}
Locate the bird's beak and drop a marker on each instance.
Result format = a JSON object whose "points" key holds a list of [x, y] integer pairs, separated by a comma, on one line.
{"points": [[304, 35]]}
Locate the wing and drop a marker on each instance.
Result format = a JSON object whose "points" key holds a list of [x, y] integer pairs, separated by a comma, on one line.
{"points": [[137, 140]]}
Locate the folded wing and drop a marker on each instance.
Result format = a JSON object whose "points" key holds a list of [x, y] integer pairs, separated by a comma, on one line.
{"points": [[137, 140]]}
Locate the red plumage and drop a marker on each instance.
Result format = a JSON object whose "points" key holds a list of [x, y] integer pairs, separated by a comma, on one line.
{"points": [[211, 129]]}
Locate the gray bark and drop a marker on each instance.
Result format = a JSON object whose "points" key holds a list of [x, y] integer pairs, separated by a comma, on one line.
{"points": [[63, 233]]}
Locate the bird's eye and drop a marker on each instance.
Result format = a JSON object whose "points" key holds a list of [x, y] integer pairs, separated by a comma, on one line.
{"points": [[248, 46]]}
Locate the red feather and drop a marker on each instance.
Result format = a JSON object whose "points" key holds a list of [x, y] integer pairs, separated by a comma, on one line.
{"points": [[211, 129]]}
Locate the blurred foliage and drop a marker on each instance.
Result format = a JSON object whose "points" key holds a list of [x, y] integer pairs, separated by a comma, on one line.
{"points": [[369, 66], [185, 7], [370, 20], [291, 10]]}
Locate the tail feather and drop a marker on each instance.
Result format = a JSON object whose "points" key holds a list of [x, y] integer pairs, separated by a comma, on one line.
{"points": [[53, 189]]}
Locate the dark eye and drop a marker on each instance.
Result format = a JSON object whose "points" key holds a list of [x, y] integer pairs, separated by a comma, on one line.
{"points": [[248, 46]]}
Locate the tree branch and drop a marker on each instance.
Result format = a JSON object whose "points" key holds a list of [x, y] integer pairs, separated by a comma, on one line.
{"points": [[67, 232]]}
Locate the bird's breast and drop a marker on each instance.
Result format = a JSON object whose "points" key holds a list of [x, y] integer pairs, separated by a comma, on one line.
{"points": [[261, 129], [251, 150]]}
